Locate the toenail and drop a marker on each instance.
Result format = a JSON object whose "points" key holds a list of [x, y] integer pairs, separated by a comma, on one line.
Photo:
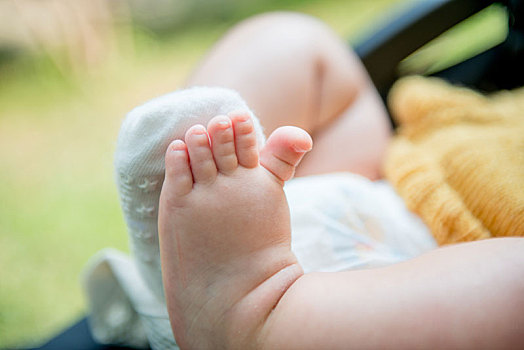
{"points": [[224, 124], [178, 145], [198, 130], [298, 148], [240, 117]]}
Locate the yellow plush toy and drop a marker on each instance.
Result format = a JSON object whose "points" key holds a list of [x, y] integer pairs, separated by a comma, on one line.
{"points": [[458, 158]]}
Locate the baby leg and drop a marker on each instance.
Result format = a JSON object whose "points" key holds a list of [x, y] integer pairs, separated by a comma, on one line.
{"points": [[465, 296]]}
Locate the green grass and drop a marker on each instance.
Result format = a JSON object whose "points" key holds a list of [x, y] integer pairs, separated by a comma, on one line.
{"points": [[58, 202]]}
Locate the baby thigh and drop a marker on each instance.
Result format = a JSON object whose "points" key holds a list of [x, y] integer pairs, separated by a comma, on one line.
{"points": [[293, 70]]}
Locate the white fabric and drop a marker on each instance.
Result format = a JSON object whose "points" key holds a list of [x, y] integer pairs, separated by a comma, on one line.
{"points": [[344, 221], [339, 221], [121, 304]]}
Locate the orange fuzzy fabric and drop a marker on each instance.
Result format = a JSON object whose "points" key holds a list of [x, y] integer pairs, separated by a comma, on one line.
{"points": [[458, 158]]}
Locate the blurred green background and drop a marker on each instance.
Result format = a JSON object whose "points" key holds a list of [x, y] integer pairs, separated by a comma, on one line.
{"points": [[69, 71]]}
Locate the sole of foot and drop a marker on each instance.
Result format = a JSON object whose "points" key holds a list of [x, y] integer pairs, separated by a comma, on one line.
{"points": [[224, 230]]}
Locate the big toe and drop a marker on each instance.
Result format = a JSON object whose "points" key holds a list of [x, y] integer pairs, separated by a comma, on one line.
{"points": [[284, 150]]}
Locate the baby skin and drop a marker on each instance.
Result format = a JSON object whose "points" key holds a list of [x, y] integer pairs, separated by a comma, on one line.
{"points": [[231, 280], [226, 264]]}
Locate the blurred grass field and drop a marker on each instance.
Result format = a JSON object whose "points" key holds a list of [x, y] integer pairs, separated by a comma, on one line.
{"points": [[58, 201]]}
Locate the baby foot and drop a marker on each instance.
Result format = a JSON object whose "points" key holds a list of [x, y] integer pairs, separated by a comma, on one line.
{"points": [[224, 230]]}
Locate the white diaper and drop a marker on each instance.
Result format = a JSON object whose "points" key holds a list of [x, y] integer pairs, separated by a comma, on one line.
{"points": [[344, 221]]}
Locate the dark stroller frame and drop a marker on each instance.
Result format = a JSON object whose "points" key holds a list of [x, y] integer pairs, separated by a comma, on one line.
{"points": [[500, 67]]}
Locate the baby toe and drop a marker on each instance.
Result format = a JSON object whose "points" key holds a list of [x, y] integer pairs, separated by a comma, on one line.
{"points": [[245, 139], [220, 131], [203, 165], [284, 150]]}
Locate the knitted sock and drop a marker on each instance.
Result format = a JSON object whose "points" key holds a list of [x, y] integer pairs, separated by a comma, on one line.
{"points": [[139, 162]]}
